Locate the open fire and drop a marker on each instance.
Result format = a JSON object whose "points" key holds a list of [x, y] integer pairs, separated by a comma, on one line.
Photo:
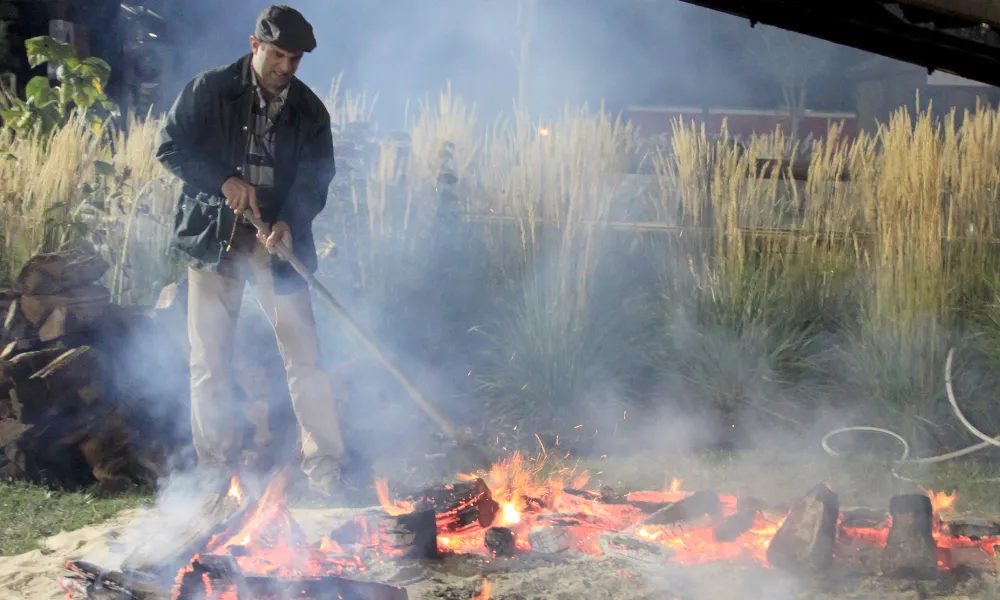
{"points": [[523, 505]]}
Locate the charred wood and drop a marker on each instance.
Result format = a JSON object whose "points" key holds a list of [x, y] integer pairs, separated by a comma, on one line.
{"points": [[732, 527], [224, 575], [460, 506], [974, 530], [806, 539], [500, 542], [910, 550], [694, 507], [411, 535], [864, 518]]}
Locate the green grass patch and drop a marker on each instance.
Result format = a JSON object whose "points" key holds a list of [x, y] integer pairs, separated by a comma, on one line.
{"points": [[30, 513]]}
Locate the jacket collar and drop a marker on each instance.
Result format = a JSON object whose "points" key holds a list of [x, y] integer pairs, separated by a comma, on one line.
{"points": [[241, 83]]}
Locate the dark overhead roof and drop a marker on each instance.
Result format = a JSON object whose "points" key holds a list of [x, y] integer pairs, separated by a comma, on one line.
{"points": [[956, 36]]}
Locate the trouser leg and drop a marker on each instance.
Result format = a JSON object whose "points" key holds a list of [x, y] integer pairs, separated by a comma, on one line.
{"points": [[213, 309], [309, 386]]}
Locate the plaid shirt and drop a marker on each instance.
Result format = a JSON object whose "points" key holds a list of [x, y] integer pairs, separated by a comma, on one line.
{"points": [[260, 149]]}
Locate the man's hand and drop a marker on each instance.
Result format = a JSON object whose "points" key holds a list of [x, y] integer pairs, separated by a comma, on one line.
{"points": [[280, 234], [240, 195]]}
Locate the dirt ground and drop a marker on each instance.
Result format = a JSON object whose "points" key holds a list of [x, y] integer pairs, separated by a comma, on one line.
{"points": [[34, 576]]}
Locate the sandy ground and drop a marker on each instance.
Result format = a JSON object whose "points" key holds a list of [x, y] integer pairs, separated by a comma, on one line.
{"points": [[35, 575]]}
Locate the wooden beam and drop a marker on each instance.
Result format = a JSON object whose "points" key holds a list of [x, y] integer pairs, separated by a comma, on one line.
{"points": [[976, 11]]}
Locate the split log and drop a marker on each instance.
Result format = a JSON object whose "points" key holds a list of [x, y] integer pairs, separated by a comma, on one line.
{"points": [[84, 306], [20, 346], [500, 542], [550, 539], [411, 535], [63, 386], [57, 272], [459, 506], [910, 550], [806, 539], [632, 548], [15, 326], [694, 507]]}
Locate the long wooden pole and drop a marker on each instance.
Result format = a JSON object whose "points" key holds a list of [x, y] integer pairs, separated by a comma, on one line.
{"points": [[446, 425]]}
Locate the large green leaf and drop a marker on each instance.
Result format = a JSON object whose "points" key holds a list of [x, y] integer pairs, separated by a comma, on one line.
{"points": [[42, 49], [39, 91], [95, 68]]}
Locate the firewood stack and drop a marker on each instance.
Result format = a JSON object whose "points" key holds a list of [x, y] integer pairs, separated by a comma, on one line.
{"points": [[76, 405]]}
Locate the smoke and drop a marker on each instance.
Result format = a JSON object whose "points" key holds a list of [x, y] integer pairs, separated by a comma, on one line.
{"points": [[620, 53]]}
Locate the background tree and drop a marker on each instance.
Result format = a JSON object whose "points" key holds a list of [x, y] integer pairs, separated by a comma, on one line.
{"points": [[792, 61]]}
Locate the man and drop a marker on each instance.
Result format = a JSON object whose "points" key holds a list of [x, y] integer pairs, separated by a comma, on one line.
{"points": [[251, 136]]}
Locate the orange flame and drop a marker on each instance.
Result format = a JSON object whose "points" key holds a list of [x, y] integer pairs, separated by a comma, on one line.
{"points": [[399, 507], [941, 501], [484, 593], [510, 514], [235, 491]]}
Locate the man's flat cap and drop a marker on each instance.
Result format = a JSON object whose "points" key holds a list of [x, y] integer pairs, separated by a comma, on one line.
{"points": [[286, 28]]}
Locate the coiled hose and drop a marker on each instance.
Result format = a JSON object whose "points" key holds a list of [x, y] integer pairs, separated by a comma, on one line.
{"points": [[904, 459]]}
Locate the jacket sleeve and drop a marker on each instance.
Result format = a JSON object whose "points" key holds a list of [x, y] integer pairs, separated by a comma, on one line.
{"points": [[316, 169], [178, 144]]}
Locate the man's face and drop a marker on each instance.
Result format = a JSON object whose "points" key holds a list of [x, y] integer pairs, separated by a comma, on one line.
{"points": [[274, 66]]}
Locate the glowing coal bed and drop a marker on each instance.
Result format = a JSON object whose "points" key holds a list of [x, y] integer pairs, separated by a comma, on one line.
{"points": [[521, 509]]}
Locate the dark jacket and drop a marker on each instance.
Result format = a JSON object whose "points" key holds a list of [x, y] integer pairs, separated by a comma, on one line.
{"points": [[203, 142]]}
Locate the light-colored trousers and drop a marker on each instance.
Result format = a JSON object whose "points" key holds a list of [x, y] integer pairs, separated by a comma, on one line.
{"points": [[214, 301]]}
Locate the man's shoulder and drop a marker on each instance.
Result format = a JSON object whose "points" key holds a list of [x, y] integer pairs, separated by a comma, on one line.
{"points": [[218, 75], [310, 103]]}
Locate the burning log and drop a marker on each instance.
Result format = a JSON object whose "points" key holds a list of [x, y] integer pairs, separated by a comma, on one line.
{"points": [[410, 535], [550, 540], [806, 539], [459, 506], [697, 505], [87, 580], [910, 550], [219, 576], [500, 542], [974, 530]]}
